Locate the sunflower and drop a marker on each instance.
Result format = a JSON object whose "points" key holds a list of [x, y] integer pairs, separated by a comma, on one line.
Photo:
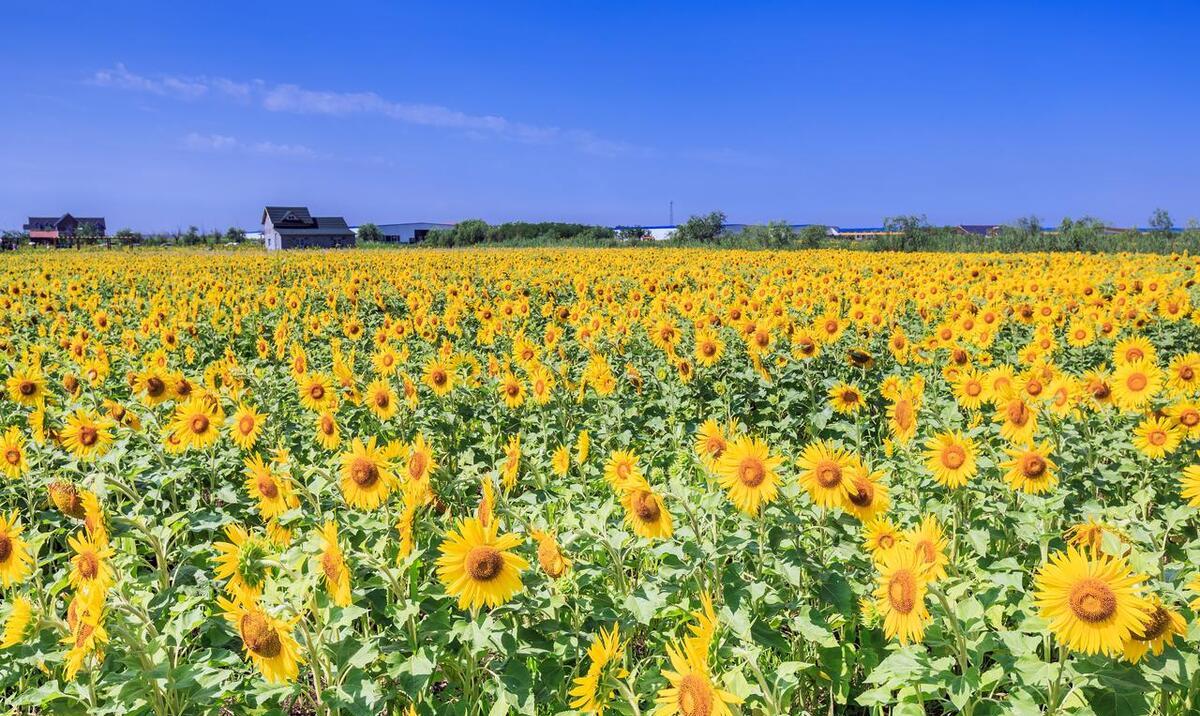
{"points": [[512, 391], [420, 464], [691, 691], [272, 493], [478, 567], [511, 467], [381, 399], [900, 595], [709, 348], [86, 621], [1187, 417], [329, 435], [66, 498], [560, 461], [87, 435], [881, 537], [711, 443], [846, 399], [16, 624], [12, 453], [15, 561], [91, 567], [333, 565], [549, 554], [1183, 375], [1165, 624], [1017, 419], [1133, 350], [824, 472], [93, 516], [950, 458], [1189, 485], [1094, 602], [1135, 384], [622, 466], [583, 446], [366, 475], [27, 385], [1156, 437], [316, 392], [195, 424], [866, 495], [439, 377], [589, 695], [902, 417], [1030, 469], [644, 510], [246, 426], [242, 562], [928, 542], [748, 472], [268, 641]]}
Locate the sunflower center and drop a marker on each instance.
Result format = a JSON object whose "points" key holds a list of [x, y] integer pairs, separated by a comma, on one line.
{"points": [[904, 414], [317, 392], [1033, 387], [887, 541], [864, 492], [973, 389], [925, 549], [512, 389], [715, 446], [6, 547], [27, 388], [88, 565], [646, 506], [1190, 418], [382, 400], [1157, 437], [364, 472], [88, 435], [694, 696], [84, 633], [155, 386], [902, 591], [1160, 619], [1100, 391], [1137, 382], [327, 425], [331, 565], [267, 487], [246, 424], [708, 349], [953, 456], [1187, 372], [752, 472], [200, 424], [12, 456], [259, 636], [1035, 466], [829, 474], [1018, 414], [1092, 601], [438, 376], [416, 465], [484, 563]]}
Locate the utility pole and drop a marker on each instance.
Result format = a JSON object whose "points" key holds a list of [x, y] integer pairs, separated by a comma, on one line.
{"points": [[671, 212]]}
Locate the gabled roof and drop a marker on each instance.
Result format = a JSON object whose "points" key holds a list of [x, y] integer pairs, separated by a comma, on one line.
{"points": [[46, 223], [319, 226], [296, 216]]}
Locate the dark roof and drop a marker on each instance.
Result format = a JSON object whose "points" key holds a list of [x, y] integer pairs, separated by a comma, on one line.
{"points": [[43, 223], [979, 229], [294, 216], [320, 226]]}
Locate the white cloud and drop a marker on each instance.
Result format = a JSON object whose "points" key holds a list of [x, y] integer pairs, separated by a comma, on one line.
{"points": [[223, 143], [293, 99]]}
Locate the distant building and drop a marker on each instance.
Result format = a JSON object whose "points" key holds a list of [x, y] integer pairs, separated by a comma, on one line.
{"points": [[49, 230], [666, 231], [410, 233], [985, 230], [292, 227]]}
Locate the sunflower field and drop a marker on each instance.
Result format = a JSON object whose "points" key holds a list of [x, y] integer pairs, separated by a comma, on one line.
{"points": [[644, 482]]}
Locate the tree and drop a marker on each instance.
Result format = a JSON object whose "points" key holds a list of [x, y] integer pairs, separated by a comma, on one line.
{"points": [[192, 236], [234, 235], [370, 232], [812, 235], [1030, 225], [632, 233], [1081, 235], [701, 229], [911, 232], [128, 237], [1160, 222]]}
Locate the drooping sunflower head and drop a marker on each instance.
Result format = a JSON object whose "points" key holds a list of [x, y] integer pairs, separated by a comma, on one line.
{"points": [[644, 509]]}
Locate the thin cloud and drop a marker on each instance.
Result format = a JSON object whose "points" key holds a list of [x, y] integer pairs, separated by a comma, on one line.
{"points": [[294, 99], [221, 143]]}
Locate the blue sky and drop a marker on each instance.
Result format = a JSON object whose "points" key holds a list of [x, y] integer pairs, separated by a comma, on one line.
{"points": [[160, 115]]}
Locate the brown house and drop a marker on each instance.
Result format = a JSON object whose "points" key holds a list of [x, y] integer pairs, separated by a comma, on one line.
{"points": [[53, 230]]}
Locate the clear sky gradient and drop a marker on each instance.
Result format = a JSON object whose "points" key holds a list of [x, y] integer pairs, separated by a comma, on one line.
{"points": [[159, 115]]}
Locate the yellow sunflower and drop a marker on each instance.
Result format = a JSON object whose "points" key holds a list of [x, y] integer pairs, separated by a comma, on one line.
{"points": [[823, 473], [195, 424], [13, 462], [242, 562], [1030, 469], [1094, 602], [644, 510], [1156, 437], [866, 495], [589, 694], [316, 392], [246, 425], [272, 493], [420, 464], [332, 562], [747, 471], [15, 561], [1165, 624], [691, 691], [381, 399], [711, 442], [1017, 419], [91, 567], [366, 475], [621, 467], [1135, 384], [950, 458], [329, 435], [881, 537], [1189, 485], [929, 543], [440, 377], [87, 435], [268, 641], [16, 624], [478, 567], [846, 399], [900, 595], [549, 554]]}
